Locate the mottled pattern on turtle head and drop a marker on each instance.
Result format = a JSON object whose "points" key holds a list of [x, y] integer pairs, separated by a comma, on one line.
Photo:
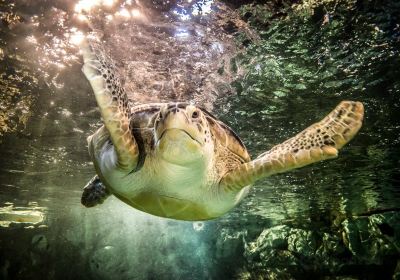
{"points": [[182, 129]]}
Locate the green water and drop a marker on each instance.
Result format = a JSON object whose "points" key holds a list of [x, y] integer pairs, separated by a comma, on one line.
{"points": [[268, 77]]}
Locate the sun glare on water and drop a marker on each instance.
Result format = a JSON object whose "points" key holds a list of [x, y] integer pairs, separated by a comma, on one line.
{"points": [[87, 5], [124, 13], [76, 37]]}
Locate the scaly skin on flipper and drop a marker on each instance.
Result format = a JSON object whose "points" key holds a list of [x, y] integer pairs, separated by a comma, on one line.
{"points": [[318, 142], [112, 100], [94, 193]]}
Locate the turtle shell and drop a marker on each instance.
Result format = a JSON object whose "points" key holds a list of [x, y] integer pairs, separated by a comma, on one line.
{"points": [[227, 137]]}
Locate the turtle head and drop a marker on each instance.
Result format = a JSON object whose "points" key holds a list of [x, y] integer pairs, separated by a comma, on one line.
{"points": [[182, 134]]}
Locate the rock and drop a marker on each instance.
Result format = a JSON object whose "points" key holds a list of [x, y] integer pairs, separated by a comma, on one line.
{"points": [[389, 226], [370, 247], [371, 239], [396, 273], [302, 242], [331, 245], [230, 244], [270, 252], [271, 274], [271, 238]]}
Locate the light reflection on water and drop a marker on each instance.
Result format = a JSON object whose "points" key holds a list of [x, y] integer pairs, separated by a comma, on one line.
{"points": [[29, 216]]}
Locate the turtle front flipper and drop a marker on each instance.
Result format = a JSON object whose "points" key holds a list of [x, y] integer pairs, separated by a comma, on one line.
{"points": [[318, 142], [112, 100], [94, 193]]}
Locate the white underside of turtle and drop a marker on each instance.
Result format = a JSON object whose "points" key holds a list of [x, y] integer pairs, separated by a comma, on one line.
{"points": [[176, 160]]}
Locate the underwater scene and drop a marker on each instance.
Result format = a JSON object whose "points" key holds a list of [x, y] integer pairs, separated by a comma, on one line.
{"points": [[241, 77]]}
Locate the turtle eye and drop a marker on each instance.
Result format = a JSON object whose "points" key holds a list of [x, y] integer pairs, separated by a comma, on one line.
{"points": [[195, 114], [160, 116]]}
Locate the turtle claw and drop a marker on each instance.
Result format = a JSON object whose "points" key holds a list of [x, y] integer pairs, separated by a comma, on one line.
{"points": [[94, 193]]}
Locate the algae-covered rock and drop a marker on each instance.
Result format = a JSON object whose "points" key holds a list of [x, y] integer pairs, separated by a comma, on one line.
{"points": [[374, 238], [284, 239], [302, 242], [271, 238], [369, 243], [330, 245], [396, 274]]}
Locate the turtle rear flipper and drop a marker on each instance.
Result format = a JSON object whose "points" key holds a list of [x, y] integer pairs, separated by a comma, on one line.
{"points": [[318, 142], [94, 193], [112, 100]]}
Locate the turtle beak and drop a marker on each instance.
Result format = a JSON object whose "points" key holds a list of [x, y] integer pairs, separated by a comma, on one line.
{"points": [[174, 122], [174, 132]]}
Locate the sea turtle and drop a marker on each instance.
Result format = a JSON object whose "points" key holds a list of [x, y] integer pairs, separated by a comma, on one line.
{"points": [[177, 160]]}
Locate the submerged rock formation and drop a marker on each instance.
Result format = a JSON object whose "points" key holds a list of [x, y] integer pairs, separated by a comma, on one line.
{"points": [[361, 247]]}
